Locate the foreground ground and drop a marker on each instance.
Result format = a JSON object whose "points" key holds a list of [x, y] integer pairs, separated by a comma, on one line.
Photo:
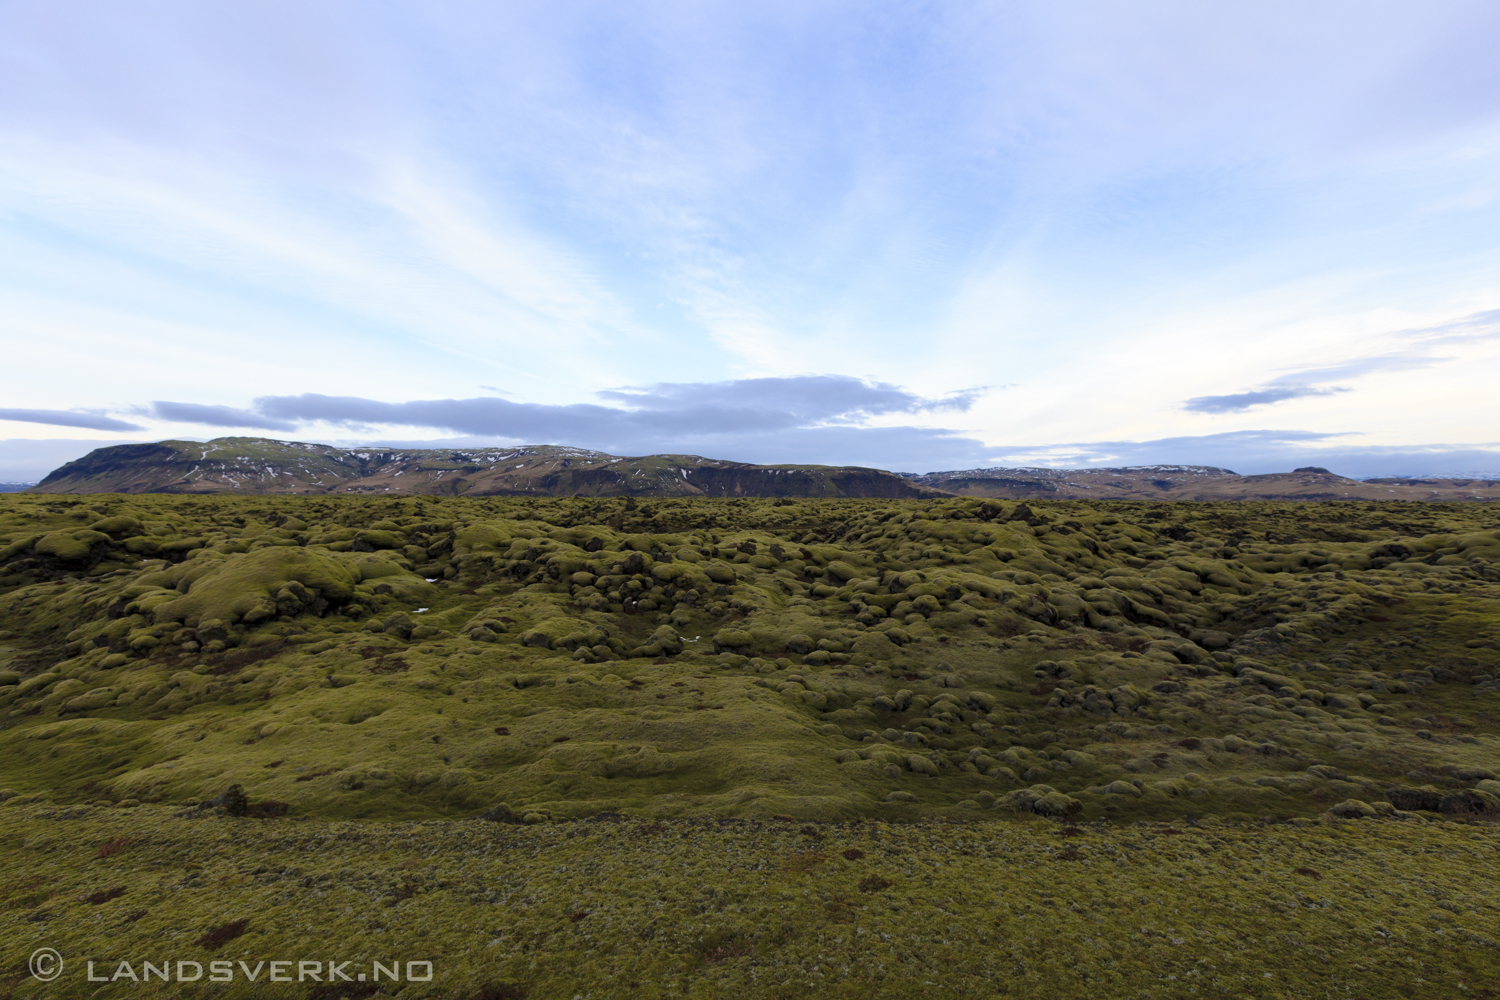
{"points": [[782, 909], [746, 748]]}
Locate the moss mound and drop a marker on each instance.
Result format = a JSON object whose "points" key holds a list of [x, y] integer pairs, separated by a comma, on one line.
{"points": [[834, 659]]}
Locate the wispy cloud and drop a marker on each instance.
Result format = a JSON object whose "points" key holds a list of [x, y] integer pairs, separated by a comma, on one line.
{"points": [[1240, 401], [1304, 382], [1477, 326], [69, 418], [1356, 367]]}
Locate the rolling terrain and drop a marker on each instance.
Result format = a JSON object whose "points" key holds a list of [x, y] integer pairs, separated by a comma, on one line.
{"points": [[951, 747], [830, 658]]}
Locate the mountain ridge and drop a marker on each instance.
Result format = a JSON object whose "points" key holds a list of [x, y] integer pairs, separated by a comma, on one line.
{"points": [[268, 466]]}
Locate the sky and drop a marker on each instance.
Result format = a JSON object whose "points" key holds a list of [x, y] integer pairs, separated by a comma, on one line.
{"points": [[909, 235]]}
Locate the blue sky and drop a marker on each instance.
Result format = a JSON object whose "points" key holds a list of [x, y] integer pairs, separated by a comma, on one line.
{"points": [[918, 236]]}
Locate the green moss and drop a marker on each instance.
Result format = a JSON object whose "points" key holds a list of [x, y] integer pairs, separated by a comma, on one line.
{"points": [[63, 545], [384, 642]]}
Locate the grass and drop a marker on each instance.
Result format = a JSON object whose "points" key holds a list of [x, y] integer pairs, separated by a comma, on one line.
{"points": [[709, 908]]}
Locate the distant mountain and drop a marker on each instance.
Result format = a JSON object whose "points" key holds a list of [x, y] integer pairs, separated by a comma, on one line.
{"points": [[259, 465], [1196, 482]]}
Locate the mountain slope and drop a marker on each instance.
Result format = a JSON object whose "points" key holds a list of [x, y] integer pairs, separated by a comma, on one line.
{"points": [[1196, 482], [259, 465]]}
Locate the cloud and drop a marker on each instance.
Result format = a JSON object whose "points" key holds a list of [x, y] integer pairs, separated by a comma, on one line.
{"points": [[1357, 367], [1476, 326], [563, 423], [1239, 401], [69, 418], [217, 416], [1306, 382], [663, 412], [808, 397]]}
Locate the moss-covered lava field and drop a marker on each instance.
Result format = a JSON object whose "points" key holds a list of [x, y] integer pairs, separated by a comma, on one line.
{"points": [[727, 909], [649, 700]]}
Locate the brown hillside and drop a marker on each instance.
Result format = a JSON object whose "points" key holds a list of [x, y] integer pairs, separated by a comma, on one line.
{"points": [[257, 465], [1197, 482]]}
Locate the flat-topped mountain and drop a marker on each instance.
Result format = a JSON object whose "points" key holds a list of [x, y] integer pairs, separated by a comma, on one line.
{"points": [[259, 465], [1196, 482]]}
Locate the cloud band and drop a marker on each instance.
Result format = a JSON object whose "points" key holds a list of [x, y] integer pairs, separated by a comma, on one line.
{"points": [[69, 418]]}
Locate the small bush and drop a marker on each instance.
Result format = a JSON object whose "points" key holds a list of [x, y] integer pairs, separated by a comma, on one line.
{"points": [[104, 895], [218, 936]]}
